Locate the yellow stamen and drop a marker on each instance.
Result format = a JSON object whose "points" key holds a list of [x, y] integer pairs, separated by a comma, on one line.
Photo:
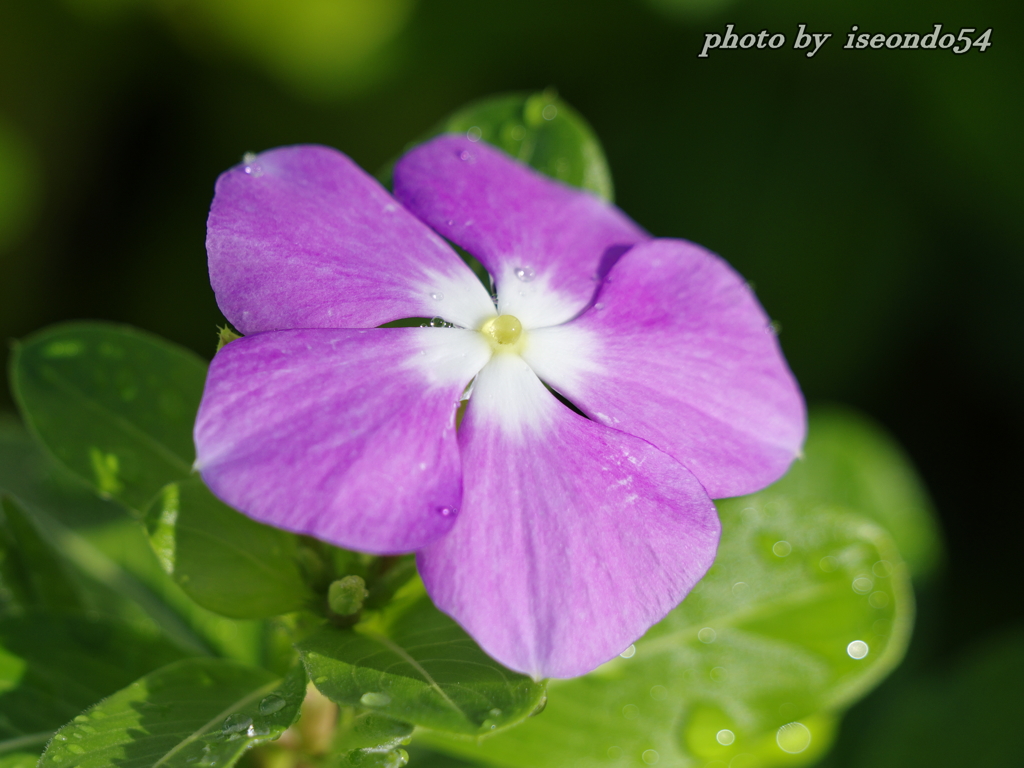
{"points": [[504, 329]]}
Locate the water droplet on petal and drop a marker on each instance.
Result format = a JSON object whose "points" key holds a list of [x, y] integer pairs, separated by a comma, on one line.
{"points": [[437, 295], [464, 156], [447, 511], [372, 699], [525, 274], [273, 703]]}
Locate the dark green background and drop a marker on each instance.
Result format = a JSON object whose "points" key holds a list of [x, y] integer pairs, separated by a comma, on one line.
{"points": [[874, 198]]}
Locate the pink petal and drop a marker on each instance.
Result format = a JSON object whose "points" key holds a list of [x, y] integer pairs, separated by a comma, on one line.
{"points": [[573, 539], [678, 351], [510, 217], [345, 435], [301, 237]]}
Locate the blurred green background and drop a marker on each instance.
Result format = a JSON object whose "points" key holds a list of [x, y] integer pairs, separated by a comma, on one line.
{"points": [[873, 197]]}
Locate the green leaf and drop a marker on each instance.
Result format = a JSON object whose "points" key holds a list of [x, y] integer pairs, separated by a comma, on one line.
{"points": [[851, 461], [223, 560], [805, 609], [114, 404], [19, 759], [414, 664], [52, 667], [32, 574], [116, 566], [196, 713], [539, 129]]}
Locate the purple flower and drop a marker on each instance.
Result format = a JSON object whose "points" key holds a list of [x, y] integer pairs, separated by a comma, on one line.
{"points": [[555, 540]]}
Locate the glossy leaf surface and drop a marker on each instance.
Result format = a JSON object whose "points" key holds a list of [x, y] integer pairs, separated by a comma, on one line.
{"points": [[416, 665], [807, 606], [223, 560], [114, 404], [197, 712], [538, 129]]}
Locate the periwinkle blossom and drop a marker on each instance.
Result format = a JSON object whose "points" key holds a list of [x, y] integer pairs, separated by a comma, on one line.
{"points": [[554, 539]]}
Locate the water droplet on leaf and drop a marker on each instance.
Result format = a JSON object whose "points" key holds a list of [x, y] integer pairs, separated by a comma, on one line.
{"points": [[236, 723], [372, 699], [273, 703], [858, 649], [793, 738]]}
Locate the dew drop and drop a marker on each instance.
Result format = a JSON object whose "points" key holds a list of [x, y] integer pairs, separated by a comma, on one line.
{"points": [[525, 274], [793, 738], [437, 322], [707, 635], [495, 712], [437, 295], [447, 511], [272, 703], [465, 156], [82, 719], [488, 725], [372, 699], [450, 222], [862, 585], [599, 305], [629, 653], [76, 748], [725, 737], [858, 649], [396, 758], [782, 548], [236, 723]]}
